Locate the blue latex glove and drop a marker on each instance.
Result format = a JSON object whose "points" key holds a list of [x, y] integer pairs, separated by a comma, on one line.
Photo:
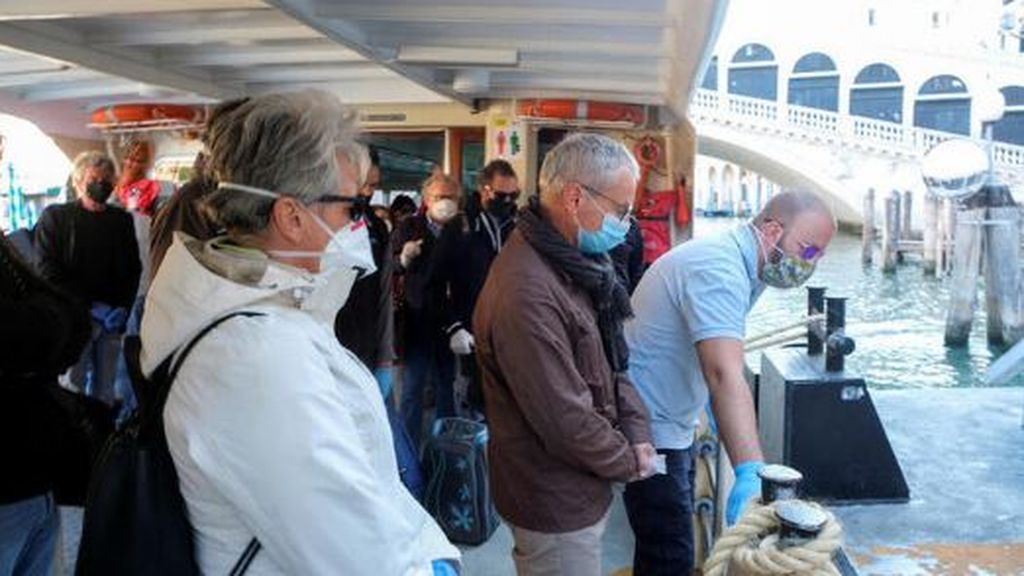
{"points": [[385, 376], [445, 568], [747, 486]]}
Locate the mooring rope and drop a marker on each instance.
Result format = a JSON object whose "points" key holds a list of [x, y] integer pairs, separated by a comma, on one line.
{"points": [[751, 548]]}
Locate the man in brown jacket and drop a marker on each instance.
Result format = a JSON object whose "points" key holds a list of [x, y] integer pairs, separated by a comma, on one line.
{"points": [[565, 421]]}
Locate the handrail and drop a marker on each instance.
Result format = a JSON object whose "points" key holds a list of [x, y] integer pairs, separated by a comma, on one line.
{"points": [[890, 138]]}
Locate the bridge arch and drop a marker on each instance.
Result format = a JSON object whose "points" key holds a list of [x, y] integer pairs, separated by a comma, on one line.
{"points": [[779, 165], [814, 82], [944, 103], [754, 72], [877, 93]]}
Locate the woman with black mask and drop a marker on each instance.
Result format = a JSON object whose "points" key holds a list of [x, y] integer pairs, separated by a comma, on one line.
{"points": [[42, 332]]}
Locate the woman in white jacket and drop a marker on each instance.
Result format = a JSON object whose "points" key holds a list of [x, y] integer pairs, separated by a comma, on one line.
{"points": [[276, 431]]}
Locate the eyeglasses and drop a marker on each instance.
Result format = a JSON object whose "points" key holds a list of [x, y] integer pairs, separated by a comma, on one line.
{"points": [[503, 195], [357, 205], [622, 211]]}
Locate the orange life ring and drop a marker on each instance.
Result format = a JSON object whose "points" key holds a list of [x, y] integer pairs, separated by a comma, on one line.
{"points": [[582, 110], [145, 113]]}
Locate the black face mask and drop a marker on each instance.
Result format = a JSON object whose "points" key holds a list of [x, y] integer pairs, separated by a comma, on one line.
{"points": [[99, 190], [501, 207]]}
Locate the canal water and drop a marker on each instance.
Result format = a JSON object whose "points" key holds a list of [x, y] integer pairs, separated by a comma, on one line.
{"points": [[897, 320]]}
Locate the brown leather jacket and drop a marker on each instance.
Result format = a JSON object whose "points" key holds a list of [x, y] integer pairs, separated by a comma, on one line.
{"points": [[561, 426]]}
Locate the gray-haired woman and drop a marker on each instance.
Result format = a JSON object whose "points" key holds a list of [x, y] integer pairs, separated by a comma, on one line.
{"points": [[276, 431]]}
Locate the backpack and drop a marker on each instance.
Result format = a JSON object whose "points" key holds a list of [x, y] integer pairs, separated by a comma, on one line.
{"points": [[135, 519], [458, 494]]}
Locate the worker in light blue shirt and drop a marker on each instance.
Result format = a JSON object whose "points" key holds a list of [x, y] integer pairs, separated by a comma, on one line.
{"points": [[686, 344]]}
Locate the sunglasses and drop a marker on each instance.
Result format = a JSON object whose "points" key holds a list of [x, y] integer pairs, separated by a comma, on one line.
{"points": [[357, 205], [810, 252], [506, 196]]}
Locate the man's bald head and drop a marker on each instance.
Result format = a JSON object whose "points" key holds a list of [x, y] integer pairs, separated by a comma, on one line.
{"points": [[790, 205]]}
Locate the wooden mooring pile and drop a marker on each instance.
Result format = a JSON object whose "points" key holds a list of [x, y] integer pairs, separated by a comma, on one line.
{"points": [[979, 237]]}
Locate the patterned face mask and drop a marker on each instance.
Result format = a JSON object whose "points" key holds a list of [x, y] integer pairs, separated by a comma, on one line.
{"points": [[782, 270]]}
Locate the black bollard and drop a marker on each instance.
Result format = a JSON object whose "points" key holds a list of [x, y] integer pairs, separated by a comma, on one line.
{"points": [[779, 482], [799, 522], [815, 305], [837, 343]]}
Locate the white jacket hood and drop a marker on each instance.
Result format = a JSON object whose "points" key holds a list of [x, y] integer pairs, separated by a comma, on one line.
{"points": [[187, 294]]}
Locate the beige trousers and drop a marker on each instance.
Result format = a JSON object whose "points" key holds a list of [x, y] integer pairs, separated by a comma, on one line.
{"points": [[575, 553]]}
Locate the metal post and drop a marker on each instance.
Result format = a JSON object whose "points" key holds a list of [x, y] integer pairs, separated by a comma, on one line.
{"points": [[815, 305]]}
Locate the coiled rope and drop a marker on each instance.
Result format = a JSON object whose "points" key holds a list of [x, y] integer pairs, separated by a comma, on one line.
{"points": [[751, 548]]}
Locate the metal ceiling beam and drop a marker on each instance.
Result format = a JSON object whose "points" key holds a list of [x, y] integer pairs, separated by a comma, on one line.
{"points": [[389, 91], [524, 46], [66, 74], [488, 14], [315, 73], [23, 10], [317, 51], [258, 25], [75, 90], [347, 34], [66, 47]]}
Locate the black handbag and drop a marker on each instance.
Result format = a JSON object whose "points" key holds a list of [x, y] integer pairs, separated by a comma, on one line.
{"points": [[136, 523], [82, 427]]}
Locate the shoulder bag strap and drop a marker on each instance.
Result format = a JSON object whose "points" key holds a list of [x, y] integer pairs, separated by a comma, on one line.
{"points": [[254, 546]]}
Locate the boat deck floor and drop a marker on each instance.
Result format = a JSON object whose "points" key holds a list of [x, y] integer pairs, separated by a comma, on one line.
{"points": [[962, 452]]}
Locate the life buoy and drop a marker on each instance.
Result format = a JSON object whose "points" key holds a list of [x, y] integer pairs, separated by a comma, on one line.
{"points": [[145, 113], [582, 110]]}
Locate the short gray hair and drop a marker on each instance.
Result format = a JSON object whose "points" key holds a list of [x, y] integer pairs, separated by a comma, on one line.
{"points": [[284, 142], [587, 158], [90, 159]]}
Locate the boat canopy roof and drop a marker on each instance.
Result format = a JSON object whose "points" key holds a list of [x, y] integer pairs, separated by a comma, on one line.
{"points": [[61, 59]]}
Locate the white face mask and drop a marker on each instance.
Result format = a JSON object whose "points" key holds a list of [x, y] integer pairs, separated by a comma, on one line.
{"points": [[348, 248], [443, 210]]}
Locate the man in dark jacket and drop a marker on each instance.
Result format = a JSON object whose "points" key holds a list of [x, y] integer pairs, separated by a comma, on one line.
{"points": [[88, 249], [42, 333], [466, 248], [427, 359], [565, 422]]}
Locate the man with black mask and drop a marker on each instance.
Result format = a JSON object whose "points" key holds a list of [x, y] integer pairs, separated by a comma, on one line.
{"points": [[467, 247], [88, 248]]}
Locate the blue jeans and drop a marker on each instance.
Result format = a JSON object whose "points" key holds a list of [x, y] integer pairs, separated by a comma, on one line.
{"points": [[428, 363], [96, 370], [28, 537], [660, 511], [122, 381]]}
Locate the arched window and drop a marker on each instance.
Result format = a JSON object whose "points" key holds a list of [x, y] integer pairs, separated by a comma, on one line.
{"points": [[944, 104], [1010, 128], [753, 73], [877, 93], [710, 81], [815, 83]]}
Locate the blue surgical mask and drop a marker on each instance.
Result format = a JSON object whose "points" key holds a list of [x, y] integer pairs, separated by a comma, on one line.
{"points": [[612, 233]]}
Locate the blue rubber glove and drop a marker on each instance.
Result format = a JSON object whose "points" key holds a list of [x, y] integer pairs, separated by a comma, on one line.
{"points": [[445, 568], [385, 376], [747, 486]]}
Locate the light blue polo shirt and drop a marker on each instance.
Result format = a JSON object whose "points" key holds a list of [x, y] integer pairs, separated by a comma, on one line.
{"points": [[699, 290]]}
